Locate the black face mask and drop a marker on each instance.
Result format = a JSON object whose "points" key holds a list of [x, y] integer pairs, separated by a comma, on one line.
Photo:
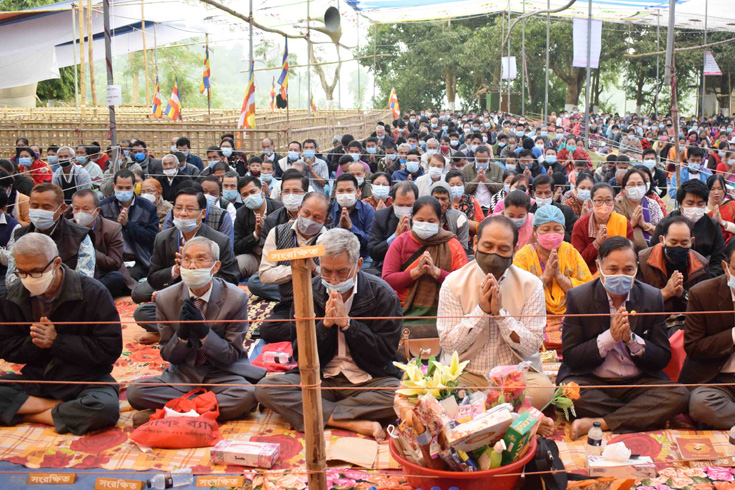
{"points": [[65, 163], [676, 255], [493, 263]]}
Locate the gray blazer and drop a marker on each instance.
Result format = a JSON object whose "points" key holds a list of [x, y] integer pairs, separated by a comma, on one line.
{"points": [[454, 218], [224, 346]]}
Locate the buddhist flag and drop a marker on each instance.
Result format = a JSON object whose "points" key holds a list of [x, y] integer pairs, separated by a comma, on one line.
{"points": [[247, 113], [205, 76], [311, 104], [273, 95], [156, 109], [393, 103], [173, 110], [283, 79]]}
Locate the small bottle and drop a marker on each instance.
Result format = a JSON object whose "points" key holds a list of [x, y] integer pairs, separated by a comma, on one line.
{"points": [[276, 357], [496, 457], [594, 440], [173, 479]]}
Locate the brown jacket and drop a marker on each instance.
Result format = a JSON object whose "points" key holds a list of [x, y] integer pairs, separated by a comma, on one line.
{"points": [[707, 336], [652, 271], [20, 210], [108, 246]]}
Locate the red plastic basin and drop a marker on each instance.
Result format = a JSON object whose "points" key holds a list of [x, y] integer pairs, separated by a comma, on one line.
{"points": [[503, 478]]}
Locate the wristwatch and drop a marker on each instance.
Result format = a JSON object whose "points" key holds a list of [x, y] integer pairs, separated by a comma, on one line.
{"points": [[631, 340]]}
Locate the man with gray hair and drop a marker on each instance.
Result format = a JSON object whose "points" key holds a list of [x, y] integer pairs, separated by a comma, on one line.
{"points": [[70, 176], [65, 328], [201, 352], [355, 351]]}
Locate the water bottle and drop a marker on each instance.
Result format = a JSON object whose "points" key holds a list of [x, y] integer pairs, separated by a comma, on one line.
{"points": [[594, 440], [177, 478]]}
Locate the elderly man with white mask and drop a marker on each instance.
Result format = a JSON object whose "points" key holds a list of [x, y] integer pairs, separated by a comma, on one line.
{"points": [[200, 352], [64, 327]]}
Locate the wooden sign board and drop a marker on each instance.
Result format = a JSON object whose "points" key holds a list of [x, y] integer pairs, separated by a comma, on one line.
{"points": [[296, 253], [118, 484], [51, 478], [221, 481]]}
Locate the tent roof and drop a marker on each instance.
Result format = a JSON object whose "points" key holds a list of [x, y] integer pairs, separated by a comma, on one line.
{"points": [[689, 13]]}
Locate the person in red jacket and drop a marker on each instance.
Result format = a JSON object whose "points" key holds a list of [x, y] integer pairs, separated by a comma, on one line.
{"points": [[30, 165]]}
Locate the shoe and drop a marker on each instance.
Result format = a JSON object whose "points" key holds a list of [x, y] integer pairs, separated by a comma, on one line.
{"points": [[149, 338], [141, 417]]}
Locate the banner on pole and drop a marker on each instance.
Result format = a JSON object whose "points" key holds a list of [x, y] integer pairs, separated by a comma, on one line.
{"points": [[710, 65], [580, 43], [509, 68]]}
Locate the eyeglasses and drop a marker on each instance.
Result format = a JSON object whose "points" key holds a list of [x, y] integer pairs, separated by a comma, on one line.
{"points": [[188, 211], [34, 275], [603, 202], [198, 263]]}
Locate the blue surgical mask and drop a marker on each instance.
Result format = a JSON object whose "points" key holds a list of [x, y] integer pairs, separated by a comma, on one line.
{"points": [[584, 194], [558, 136], [309, 154], [550, 159], [211, 200], [501, 144], [343, 286], [380, 191], [510, 167], [454, 143], [123, 196], [212, 163], [42, 219], [412, 167], [53, 159], [544, 133], [226, 151], [413, 147], [230, 194], [139, 157], [391, 156], [506, 188], [185, 225], [483, 166], [649, 164], [81, 160], [266, 177], [617, 284], [484, 139], [185, 152], [694, 167], [402, 161], [372, 151], [571, 148], [355, 156], [126, 153], [457, 191], [473, 148], [254, 201], [293, 155], [731, 282]]}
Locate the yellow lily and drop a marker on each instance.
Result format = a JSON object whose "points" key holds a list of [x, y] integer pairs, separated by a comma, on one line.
{"points": [[411, 388], [454, 370]]}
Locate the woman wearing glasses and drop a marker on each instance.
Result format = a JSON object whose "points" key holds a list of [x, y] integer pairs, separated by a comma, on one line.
{"points": [[591, 231], [642, 212]]}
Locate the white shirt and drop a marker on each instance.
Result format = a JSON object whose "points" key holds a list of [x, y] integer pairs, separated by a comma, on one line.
{"points": [[342, 362], [424, 184], [483, 195]]}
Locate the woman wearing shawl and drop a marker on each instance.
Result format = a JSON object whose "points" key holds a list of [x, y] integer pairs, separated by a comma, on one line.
{"points": [[556, 262], [720, 207], [417, 263], [591, 230], [642, 212]]}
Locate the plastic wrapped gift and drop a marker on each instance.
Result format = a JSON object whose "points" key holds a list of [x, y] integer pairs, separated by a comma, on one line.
{"points": [[507, 384]]}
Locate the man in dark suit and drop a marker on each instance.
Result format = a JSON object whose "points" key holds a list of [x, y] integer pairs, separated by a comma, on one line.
{"points": [[708, 341], [269, 154], [249, 224], [390, 222], [201, 352], [190, 206], [618, 350], [171, 181], [108, 242], [354, 352]]}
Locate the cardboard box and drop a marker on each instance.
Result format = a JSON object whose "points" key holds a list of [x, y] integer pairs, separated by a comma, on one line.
{"points": [[484, 430], [245, 453], [517, 437], [639, 468]]}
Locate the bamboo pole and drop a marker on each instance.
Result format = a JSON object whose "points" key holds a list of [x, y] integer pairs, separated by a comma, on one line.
{"points": [[315, 451], [145, 57], [74, 51], [82, 75], [90, 46]]}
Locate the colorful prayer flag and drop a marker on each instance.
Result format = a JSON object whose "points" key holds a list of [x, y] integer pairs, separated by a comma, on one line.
{"points": [[311, 103], [393, 103], [247, 113], [273, 95], [156, 109], [173, 110], [283, 79], [205, 76]]}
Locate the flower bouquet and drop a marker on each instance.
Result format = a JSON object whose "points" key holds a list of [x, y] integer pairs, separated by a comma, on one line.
{"points": [[419, 379], [564, 398], [507, 385]]}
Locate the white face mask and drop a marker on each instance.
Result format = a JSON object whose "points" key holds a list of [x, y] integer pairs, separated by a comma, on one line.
{"points": [[543, 201], [149, 197], [425, 230], [38, 286], [292, 201], [694, 213], [347, 200], [84, 219], [435, 172], [401, 210], [636, 193], [170, 172], [196, 278]]}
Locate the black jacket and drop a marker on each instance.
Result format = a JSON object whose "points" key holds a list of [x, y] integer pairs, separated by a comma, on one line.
{"points": [[709, 241], [579, 333], [164, 257], [170, 189], [81, 352], [569, 218], [372, 343], [384, 225], [245, 226], [278, 217]]}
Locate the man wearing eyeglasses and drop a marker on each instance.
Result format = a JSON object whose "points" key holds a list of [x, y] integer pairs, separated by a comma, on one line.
{"points": [[189, 210], [69, 331]]}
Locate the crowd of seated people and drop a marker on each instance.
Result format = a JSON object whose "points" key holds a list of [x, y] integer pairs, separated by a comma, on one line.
{"points": [[498, 226]]}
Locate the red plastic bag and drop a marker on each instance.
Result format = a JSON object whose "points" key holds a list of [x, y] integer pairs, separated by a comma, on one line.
{"points": [[280, 347], [183, 432], [678, 356]]}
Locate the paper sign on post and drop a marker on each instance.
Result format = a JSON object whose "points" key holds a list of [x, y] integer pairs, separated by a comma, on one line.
{"points": [[295, 253], [710, 65], [114, 95], [509, 70], [579, 33]]}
